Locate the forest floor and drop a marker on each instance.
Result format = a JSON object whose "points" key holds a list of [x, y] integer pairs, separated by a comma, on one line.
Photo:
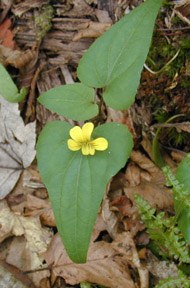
{"points": [[41, 43]]}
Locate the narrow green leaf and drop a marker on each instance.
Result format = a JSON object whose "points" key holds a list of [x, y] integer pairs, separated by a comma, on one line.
{"points": [[8, 89], [76, 183], [74, 101], [182, 175], [116, 59]]}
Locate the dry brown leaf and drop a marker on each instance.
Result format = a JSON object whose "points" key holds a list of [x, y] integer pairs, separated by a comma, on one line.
{"points": [[124, 117], [133, 174], [6, 35], [157, 195], [11, 277], [160, 269], [147, 165], [128, 215], [9, 222], [151, 185], [110, 219], [23, 6], [91, 29], [23, 256], [17, 145], [25, 252], [36, 206], [16, 58], [104, 266], [13, 224]]}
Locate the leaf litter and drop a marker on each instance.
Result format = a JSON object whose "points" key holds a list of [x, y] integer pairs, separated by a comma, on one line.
{"points": [[17, 146]]}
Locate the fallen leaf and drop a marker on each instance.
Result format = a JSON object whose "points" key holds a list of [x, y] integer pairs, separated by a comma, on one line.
{"points": [[91, 29], [104, 266], [9, 223], [16, 58], [17, 145], [12, 277], [36, 206], [25, 258], [6, 35], [160, 269], [157, 196], [15, 224], [152, 182], [110, 219], [26, 250]]}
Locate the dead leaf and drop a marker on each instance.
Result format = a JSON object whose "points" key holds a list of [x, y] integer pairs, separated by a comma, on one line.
{"points": [[17, 145], [128, 214], [15, 224], [25, 258], [110, 219], [104, 266], [133, 174], [6, 35], [12, 277], [157, 196], [147, 165], [184, 126], [160, 269], [152, 182], [42, 208], [23, 6], [91, 29], [26, 250], [9, 223]]}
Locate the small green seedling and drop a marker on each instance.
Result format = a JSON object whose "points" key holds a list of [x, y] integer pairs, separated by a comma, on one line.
{"points": [[8, 89]]}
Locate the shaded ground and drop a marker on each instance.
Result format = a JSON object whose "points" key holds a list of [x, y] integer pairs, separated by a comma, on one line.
{"points": [[42, 44]]}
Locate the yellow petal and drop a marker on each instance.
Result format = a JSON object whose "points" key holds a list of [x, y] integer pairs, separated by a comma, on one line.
{"points": [[100, 144], [87, 129], [91, 149], [76, 134], [85, 149], [72, 145]]}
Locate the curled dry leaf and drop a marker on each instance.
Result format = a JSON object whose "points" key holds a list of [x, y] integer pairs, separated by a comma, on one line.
{"points": [[9, 222], [11, 277], [91, 29], [25, 258], [13, 224], [6, 35], [157, 196], [17, 145], [36, 206], [104, 266], [151, 185], [31, 242], [16, 58], [109, 218], [160, 269]]}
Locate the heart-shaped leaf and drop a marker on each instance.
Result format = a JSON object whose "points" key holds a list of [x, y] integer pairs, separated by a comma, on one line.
{"points": [[182, 175], [75, 101], [116, 59], [8, 89], [76, 183]]}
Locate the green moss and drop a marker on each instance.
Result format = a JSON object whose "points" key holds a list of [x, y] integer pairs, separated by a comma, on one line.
{"points": [[42, 21]]}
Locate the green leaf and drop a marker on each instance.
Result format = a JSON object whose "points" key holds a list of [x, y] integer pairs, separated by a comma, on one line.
{"points": [[8, 89], [116, 59], [75, 101], [182, 175], [76, 183]]}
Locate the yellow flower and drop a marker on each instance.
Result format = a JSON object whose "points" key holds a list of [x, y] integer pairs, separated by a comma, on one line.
{"points": [[81, 139]]}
